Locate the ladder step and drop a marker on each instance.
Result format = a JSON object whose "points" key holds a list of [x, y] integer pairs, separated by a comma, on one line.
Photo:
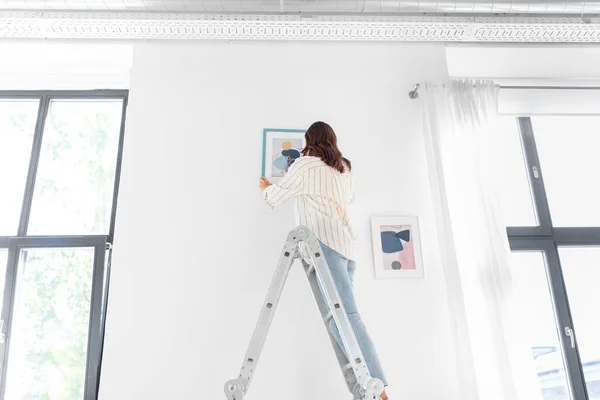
{"points": [[328, 317]]}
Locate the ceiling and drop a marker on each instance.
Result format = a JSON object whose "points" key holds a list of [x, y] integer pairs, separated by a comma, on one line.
{"points": [[336, 7]]}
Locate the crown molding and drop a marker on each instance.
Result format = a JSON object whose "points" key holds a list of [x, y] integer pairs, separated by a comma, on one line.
{"points": [[296, 27]]}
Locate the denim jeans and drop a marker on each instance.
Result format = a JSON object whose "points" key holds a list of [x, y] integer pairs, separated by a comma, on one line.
{"points": [[342, 271]]}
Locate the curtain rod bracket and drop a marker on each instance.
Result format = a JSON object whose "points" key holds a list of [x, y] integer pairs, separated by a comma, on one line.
{"points": [[414, 94]]}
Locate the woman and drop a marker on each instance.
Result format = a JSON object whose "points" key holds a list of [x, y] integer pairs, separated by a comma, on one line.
{"points": [[323, 187]]}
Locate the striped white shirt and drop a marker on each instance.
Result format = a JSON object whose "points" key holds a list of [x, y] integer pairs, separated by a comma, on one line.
{"points": [[322, 196]]}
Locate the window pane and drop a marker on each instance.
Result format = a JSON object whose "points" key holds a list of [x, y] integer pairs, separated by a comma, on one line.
{"points": [[49, 334], [531, 282], [568, 150], [515, 193], [3, 261], [17, 127], [581, 269], [76, 173]]}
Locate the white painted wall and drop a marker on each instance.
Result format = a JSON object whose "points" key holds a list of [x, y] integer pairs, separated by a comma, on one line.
{"points": [[196, 247], [526, 63], [61, 65]]}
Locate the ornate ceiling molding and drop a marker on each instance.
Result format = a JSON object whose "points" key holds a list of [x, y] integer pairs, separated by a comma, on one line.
{"points": [[295, 27]]}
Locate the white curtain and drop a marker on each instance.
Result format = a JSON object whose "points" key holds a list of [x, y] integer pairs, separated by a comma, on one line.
{"points": [[493, 362]]}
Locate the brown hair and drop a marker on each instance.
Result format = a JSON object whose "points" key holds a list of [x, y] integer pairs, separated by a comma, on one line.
{"points": [[321, 142]]}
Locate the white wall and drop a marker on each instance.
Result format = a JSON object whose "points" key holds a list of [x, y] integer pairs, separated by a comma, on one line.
{"points": [[527, 64], [196, 247], [60, 65]]}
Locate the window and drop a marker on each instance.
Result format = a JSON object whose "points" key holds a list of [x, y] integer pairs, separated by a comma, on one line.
{"points": [[17, 126], [60, 153], [550, 201]]}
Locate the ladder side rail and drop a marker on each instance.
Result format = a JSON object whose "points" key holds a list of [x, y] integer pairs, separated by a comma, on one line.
{"points": [[334, 302], [235, 389], [345, 365]]}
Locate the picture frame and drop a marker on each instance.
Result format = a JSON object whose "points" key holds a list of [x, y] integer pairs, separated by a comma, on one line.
{"points": [[281, 147], [397, 248]]}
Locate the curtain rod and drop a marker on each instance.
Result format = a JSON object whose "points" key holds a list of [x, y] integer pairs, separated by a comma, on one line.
{"points": [[414, 94]]}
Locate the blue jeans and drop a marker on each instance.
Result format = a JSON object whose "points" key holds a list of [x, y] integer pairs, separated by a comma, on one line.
{"points": [[342, 271]]}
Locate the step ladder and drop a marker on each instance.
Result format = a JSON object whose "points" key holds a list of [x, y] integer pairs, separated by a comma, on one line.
{"points": [[302, 244]]}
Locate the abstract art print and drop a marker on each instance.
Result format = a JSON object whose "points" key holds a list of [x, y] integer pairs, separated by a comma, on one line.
{"points": [[281, 148], [397, 247]]}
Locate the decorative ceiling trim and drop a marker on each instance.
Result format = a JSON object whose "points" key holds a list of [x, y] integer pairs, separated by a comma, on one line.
{"points": [[144, 26], [361, 7]]}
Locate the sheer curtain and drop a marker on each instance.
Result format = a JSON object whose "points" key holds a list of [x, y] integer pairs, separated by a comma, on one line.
{"points": [[493, 362]]}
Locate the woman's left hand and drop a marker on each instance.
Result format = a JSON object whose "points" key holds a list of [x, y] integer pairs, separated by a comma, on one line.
{"points": [[264, 183]]}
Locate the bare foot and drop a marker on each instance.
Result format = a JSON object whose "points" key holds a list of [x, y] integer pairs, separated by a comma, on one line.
{"points": [[384, 396]]}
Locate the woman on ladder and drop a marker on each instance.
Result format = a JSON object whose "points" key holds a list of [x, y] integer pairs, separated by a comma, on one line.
{"points": [[322, 185]]}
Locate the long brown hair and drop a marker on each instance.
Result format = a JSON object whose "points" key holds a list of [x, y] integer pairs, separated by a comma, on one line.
{"points": [[321, 142]]}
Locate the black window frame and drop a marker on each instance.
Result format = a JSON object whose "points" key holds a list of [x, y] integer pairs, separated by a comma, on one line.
{"points": [[547, 238], [102, 244]]}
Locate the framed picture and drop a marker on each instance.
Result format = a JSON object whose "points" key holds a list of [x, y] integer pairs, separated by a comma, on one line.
{"points": [[281, 148], [397, 247]]}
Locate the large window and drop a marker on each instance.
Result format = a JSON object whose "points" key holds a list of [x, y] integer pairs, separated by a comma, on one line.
{"points": [[551, 200], [60, 158]]}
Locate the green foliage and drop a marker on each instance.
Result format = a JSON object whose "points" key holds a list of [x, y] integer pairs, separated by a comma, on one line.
{"points": [[77, 169], [53, 323]]}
